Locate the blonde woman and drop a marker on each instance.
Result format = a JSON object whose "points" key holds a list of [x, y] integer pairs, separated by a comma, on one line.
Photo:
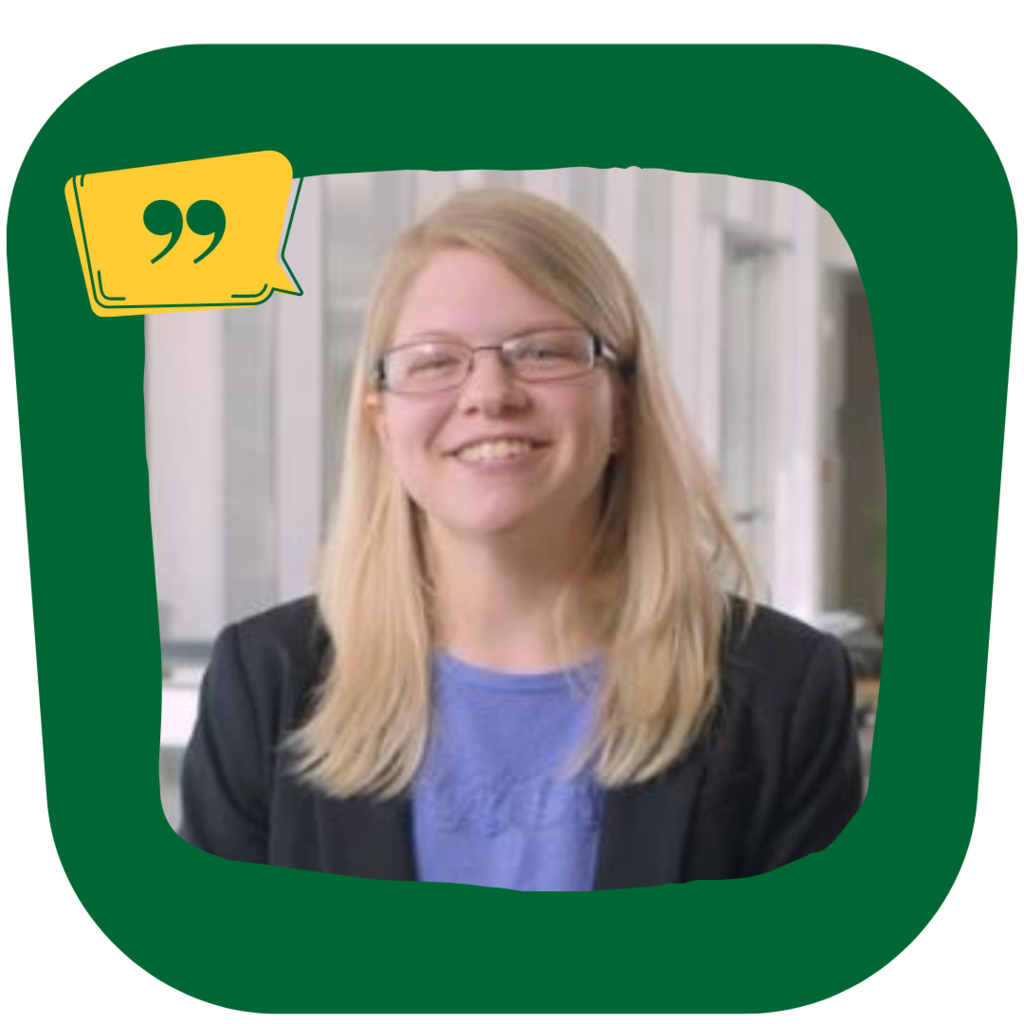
{"points": [[533, 661]]}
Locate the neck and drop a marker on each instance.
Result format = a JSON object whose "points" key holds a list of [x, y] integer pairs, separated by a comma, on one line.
{"points": [[495, 601]]}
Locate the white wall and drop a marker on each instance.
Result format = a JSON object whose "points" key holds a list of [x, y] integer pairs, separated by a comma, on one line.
{"points": [[184, 450]]}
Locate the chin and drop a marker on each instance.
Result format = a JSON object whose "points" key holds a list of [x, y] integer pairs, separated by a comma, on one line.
{"points": [[496, 528], [493, 526]]}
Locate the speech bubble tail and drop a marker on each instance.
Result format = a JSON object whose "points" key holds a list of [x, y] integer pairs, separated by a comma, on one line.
{"points": [[283, 280]]}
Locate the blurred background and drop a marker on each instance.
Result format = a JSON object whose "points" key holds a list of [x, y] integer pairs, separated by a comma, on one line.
{"points": [[751, 290]]}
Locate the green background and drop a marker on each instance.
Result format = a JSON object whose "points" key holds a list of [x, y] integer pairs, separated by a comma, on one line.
{"points": [[917, 189]]}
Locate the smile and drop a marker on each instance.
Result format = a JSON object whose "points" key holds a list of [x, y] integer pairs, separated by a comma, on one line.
{"points": [[502, 450]]}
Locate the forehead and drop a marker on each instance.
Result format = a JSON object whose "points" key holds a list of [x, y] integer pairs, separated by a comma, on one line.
{"points": [[469, 294]]}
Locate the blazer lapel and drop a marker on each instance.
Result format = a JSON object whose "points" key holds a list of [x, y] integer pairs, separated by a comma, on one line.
{"points": [[367, 838], [645, 828], [359, 836]]}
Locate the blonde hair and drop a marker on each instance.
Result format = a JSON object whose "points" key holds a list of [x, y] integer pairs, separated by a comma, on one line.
{"points": [[664, 547]]}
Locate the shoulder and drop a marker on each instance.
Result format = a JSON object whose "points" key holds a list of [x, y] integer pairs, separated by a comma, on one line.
{"points": [[277, 656], [773, 659], [294, 628]]}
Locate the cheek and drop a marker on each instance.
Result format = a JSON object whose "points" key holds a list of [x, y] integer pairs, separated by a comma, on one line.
{"points": [[595, 425], [408, 438]]}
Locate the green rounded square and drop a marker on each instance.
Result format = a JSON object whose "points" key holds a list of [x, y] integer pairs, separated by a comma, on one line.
{"points": [[919, 193]]}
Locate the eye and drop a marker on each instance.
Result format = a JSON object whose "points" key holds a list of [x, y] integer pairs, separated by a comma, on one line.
{"points": [[431, 360], [549, 350], [543, 353]]}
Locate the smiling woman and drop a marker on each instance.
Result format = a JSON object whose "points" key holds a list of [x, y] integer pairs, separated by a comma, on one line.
{"points": [[533, 660]]}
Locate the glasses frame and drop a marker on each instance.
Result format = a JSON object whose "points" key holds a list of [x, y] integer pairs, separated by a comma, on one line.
{"points": [[600, 352]]}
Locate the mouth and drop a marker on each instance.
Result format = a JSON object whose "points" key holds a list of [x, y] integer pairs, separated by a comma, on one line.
{"points": [[505, 449]]}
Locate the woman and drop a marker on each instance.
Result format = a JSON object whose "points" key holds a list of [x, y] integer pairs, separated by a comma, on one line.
{"points": [[523, 667]]}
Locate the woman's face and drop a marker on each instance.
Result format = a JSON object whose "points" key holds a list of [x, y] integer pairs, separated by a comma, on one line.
{"points": [[469, 489]]}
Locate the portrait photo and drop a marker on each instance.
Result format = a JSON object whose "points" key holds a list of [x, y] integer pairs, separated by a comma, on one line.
{"points": [[615, 590]]}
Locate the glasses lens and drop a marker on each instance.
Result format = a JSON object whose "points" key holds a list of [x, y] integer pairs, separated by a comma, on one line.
{"points": [[443, 365], [551, 355], [432, 366]]}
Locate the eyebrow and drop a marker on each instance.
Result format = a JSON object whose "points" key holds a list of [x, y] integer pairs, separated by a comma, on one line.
{"points": [[428, 336]]}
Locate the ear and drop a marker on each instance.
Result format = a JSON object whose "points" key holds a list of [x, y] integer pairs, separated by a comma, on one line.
{"points": [[374, 410]]}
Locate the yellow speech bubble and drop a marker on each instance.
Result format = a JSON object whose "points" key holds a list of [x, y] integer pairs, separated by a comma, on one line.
{"points": [[201, 234]]}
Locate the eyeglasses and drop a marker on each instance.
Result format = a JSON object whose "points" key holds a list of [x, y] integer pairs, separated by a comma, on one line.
{"points": [[427, 367]]}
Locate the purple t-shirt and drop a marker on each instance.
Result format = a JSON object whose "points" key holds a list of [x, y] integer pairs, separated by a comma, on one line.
{"points": [[494, 803]]}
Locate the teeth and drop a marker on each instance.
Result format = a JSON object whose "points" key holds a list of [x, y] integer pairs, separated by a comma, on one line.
{"points": [[492, 451]]}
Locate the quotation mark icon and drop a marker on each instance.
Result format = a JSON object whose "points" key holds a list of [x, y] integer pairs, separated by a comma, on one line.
{"points": [[204, 217]]}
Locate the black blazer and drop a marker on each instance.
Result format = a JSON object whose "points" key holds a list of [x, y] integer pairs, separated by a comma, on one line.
{"points": [[776, 775]]}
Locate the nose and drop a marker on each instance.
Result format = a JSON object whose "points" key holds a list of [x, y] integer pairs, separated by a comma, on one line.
{"points": [[491, 386]]}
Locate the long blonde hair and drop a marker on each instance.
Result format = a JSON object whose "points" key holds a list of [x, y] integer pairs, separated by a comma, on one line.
{"points": [[664, 546]]}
